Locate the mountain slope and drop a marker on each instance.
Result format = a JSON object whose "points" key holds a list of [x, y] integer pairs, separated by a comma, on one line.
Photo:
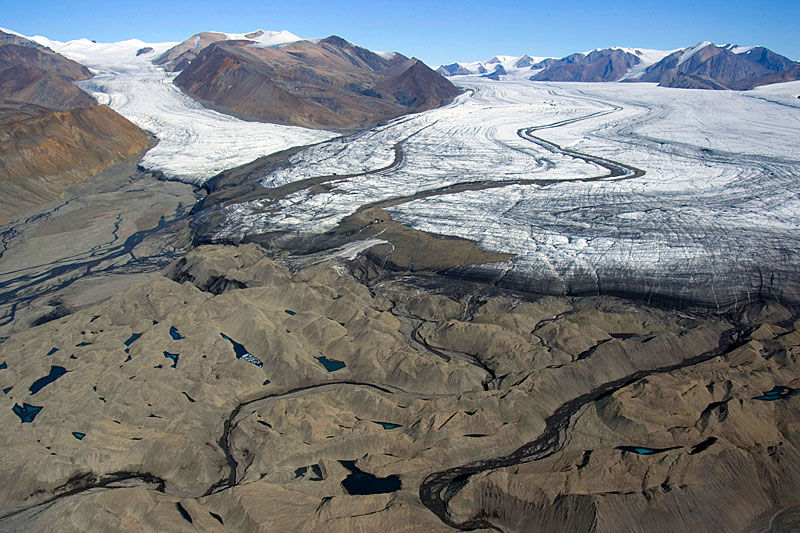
{"points": [[326, 84], [42, 152], [52, 134]]}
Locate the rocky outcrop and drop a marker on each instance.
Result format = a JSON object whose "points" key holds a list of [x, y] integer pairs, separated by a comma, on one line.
{"points": [[599, 65], [44, 151], [330, 84]]}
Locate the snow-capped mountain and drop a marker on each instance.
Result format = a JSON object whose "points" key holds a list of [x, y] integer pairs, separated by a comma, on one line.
{"points": [[500, 65], [704, 65], [180, 55]]}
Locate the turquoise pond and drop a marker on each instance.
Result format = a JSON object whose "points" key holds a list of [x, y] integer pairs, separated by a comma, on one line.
{"points": [[173, 332], [174, 357], [640, 450], [331, 365], [388, 425], [242, 353], [78, 435], [777, 393], [26, 412]]}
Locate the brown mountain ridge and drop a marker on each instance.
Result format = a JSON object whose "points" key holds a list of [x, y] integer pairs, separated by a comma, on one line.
{"points": [[328, 84]]}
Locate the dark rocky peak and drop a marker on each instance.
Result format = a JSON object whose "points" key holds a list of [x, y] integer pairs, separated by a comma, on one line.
{"points": [[524, 62]]}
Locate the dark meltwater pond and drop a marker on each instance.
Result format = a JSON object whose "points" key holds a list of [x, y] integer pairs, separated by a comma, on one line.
{"points": [[331, 365], [133, 338], [26, 412], [173, 332], [359, 482], [242, 353], [55, 373]]}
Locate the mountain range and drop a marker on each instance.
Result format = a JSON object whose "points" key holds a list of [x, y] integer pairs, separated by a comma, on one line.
{"points": [[702, 66]]}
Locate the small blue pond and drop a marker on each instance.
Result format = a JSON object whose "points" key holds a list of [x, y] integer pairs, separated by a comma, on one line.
{"points": [[78, 435], [7, 390], [3, 365], [289, 312], [52, 351], [84, 343], [55, 373], [26, 412], [174, 357], [331, 365], [388, 425], [645, 451], [174, 334], [191, 400], [776, 393], [360, 482], [242, 353]]}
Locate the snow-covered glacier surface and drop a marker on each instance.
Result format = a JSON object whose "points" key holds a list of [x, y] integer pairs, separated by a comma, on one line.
{"points": [[194, 143], [715, 218]]}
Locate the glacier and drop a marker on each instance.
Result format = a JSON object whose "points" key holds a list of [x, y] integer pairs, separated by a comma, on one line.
{"points": [[713, 219]]}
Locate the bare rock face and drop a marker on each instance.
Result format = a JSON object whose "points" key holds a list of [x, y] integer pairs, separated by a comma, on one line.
{"points": [[235, 394], [599, 65], [44, 151], [329, 84]]}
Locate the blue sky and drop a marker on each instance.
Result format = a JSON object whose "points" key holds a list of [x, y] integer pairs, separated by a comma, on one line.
{"points": [[436, 32]]}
